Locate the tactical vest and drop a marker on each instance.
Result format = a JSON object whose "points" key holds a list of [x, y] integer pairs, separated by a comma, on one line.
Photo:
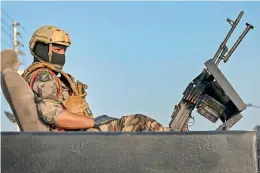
{"points": [[75, 103]]}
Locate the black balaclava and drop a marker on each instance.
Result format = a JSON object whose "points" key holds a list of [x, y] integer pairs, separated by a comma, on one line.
{"points": [[42, 50]]}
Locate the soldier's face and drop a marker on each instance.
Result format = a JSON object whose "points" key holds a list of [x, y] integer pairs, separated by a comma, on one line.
{"points": [[59, 49]]}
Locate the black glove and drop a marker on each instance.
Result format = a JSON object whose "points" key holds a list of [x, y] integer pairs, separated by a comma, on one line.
{"points": [[102, 119], [98, 121]]}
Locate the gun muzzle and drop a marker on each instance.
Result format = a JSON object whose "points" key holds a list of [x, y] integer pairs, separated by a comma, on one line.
{"points": [[249, 26]]}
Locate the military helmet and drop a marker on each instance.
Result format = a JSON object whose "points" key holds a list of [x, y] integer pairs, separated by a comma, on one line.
{"points": [[49, 35]]}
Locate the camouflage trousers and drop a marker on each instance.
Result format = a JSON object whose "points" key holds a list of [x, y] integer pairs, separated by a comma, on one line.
{"points": [[132, 123]]}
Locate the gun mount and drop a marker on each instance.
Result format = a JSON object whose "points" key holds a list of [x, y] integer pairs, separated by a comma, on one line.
{"points": [[210, 92]]}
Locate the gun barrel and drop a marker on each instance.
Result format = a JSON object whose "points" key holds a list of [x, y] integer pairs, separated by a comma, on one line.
{"points": [[225, 59], [223, 44], [222, 55]]}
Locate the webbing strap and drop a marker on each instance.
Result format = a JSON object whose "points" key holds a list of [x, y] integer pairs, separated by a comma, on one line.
{"points": [[57, 79]]}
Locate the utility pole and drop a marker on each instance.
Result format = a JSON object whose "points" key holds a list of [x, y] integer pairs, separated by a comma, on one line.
{"points": [[16, 42], [16, 45], [15, 24]]}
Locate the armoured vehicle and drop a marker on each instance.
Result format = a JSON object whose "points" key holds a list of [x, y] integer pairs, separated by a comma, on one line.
{"points": [[34, 149]]}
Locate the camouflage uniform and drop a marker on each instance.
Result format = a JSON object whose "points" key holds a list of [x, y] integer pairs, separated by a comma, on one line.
{"points": [[52, 92], [133, 123], [45, 87]]}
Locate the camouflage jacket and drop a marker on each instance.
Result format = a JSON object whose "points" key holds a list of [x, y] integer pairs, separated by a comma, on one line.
{"points": [[50, 92]]}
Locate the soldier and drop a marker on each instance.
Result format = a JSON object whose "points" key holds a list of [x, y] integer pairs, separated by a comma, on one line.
{"points": [[61, 101]]}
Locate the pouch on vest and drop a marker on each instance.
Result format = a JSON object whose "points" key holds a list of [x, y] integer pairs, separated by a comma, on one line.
{"points": [[81, 88], [76, 105]]}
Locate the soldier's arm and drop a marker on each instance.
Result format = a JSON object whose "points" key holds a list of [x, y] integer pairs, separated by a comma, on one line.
{"points": [[68, 120], [51, 111]]}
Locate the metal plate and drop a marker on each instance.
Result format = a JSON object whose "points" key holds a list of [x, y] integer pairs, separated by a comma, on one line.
{"points": [[225, 85], [144, 152]]}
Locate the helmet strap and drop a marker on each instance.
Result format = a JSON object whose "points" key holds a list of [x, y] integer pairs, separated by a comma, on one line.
{"points": [[50, 52]]}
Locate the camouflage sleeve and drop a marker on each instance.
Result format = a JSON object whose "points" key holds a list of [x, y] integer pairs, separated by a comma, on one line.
{"points": [[46, 87]]}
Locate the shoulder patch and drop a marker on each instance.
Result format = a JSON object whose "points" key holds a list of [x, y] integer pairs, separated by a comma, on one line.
{"points": [[44, 76]]}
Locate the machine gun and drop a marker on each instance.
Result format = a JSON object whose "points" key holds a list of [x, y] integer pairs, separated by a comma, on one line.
{"points": [[210, 92]]}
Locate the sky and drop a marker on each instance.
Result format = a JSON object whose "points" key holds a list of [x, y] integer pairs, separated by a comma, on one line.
{"points": [[138, 57]]}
